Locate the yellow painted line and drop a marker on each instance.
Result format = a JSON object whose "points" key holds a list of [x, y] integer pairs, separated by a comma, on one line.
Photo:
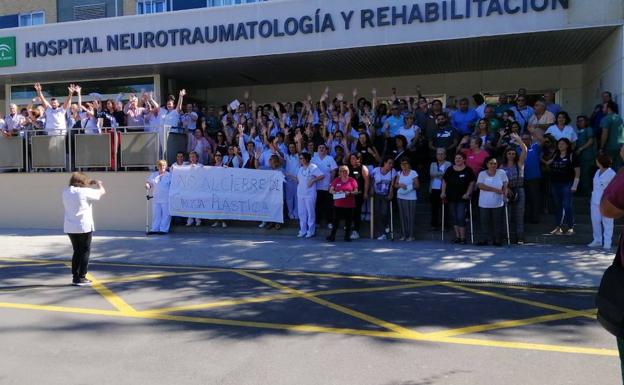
{"points": [[246, 300], [356, 314], [514, 299], [528, 288], [30, 260], [227, 302], [502, 325], [211, 321], [149, 277], [173, 267], [111, 297], [529, 346], [31, 264], [60, 309], [370, 289], [317, 329], [330, 275]]}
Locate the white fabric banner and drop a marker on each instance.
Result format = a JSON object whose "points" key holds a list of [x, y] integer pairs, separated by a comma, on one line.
{"points": [[227, 193]]}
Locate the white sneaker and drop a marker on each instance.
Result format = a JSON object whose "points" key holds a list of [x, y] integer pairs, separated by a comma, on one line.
{"points": [[330, 226], [309, 235], [595, 244], [189, 222], [355, 235], [301, 235], [382, 237], [607, 247], [223, 225], [261, 225], [215, 224], [197, 222]]}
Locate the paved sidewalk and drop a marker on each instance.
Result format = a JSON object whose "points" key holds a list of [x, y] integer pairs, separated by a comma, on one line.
{"points": [[570, 266]]}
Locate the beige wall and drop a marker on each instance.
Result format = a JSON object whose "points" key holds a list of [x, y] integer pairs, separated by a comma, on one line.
{"points": [[568, 80], [603, 71], [34, 201], [129, 7], [9, 7]]}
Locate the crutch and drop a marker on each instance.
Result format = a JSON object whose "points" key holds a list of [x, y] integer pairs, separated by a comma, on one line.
{"points": [[391, 222], [372, 217], [507, 223], [443, 228], [471, 225], [147, 199]]}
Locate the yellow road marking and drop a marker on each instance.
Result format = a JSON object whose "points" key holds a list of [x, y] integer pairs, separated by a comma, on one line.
{"points": [[503, 325], [246, 300], [317, 329], [111, 297], [375, 321], [526, 288], [528, 346], [371, 289], [203, 320], [518, 300], [29, 260], [330, 275], [227, 302], [31, 264], [148, 277]]}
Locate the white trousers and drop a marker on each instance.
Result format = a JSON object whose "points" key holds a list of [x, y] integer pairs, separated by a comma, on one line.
{"points": [[160, 217], [291, 199], [602, 227], [306, 207]]}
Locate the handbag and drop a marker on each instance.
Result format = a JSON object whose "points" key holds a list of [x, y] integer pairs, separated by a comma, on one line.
{"points": [[610, 298]]}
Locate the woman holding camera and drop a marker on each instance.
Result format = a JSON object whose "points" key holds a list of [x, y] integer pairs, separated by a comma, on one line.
{"points": [[513, 165], [78, 221]]}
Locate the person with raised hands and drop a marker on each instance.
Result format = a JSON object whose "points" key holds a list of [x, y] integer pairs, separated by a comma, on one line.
{"points": [[55, 114]]}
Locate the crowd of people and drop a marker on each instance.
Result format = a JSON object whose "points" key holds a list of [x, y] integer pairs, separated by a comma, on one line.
{"points": [[506, 161]]}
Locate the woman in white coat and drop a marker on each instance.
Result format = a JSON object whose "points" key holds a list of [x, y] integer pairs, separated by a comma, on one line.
{"points": [[159, 182], [307, 177], [602, 226]]}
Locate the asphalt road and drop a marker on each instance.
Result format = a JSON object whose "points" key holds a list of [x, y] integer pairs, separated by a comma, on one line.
{"points": [[141, 324]]}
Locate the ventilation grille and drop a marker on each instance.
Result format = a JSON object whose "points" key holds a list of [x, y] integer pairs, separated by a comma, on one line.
{"points": [[91, 11]]}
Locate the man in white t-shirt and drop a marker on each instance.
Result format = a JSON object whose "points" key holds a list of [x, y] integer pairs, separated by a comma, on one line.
{"points": [[55, 115], [324, 202]]}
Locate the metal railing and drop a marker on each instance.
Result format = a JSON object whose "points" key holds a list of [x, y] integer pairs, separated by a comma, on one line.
{"points": [[111, 149]]}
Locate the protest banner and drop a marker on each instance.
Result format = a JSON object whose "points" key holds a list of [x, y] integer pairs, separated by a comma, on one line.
{"points": [[227, 193]]}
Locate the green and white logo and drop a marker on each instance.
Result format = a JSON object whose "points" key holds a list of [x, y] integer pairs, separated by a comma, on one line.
{"points": [[8, 53]]}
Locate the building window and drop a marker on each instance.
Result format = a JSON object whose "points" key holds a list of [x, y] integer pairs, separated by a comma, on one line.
{"points": [[153, 6], [32, 18], [220, 3]]}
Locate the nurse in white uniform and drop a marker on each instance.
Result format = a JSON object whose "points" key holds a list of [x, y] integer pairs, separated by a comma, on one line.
{"points": [[159, 182], [602, 226], [307, 177]]}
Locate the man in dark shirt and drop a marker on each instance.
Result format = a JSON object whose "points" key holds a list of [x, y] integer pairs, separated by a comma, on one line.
{"points": [[445, 137], [598, 113]]}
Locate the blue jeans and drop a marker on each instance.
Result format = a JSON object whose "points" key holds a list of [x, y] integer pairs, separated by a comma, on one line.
{"points": [[562, 197]]}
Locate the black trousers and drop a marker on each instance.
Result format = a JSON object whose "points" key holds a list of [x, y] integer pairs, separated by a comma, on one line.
{"points": [[534, 199], [324, 205], [357, 212], [436, 206], [341, 213], [81, 242]]}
